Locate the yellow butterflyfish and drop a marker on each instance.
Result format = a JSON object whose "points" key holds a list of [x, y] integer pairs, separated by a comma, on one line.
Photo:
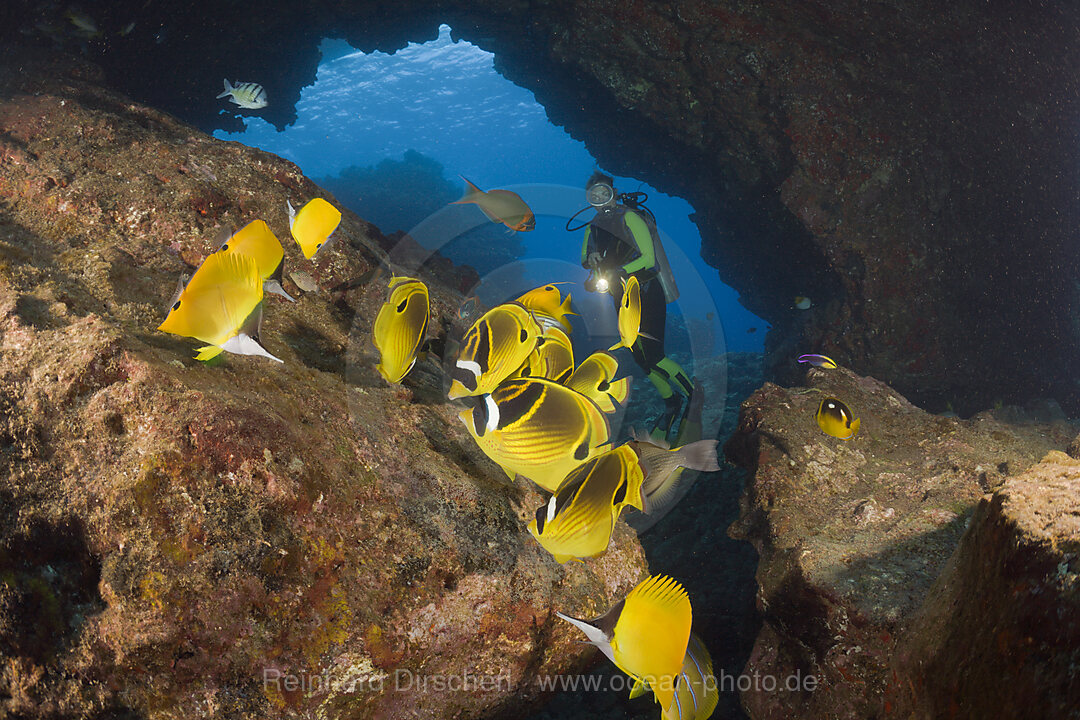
{"points": [[400, 327], [312, 225]]}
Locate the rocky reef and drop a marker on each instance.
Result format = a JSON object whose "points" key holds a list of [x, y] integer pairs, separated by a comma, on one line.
{"points": [[909, 167], [889, 575], [240, 539]]}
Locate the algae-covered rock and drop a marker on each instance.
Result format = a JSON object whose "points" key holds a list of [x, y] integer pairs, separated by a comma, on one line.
{"points": [[999, 634], [852, 534], [244, 538]]}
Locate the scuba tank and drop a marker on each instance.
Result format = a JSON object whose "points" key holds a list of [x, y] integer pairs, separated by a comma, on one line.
{"points": [[636, 202]]}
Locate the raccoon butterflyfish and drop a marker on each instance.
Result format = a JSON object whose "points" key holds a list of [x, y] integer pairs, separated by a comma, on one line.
{"points": [[696, 689], [493, 349], [537, 428], [312, 225], [818, 361], [646, 634], [221, 305], [400, 327], [836, 419], [553, 357], [547, 305], [578, 520], [629, 314], [595, 379], [248, 95], [500, 206], [260, 244]]}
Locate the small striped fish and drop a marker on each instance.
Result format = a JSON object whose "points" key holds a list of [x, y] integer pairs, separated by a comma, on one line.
{"points": [[249, 95]]}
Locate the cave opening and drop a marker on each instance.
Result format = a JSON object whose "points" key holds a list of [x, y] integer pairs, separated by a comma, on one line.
{"points": [[390, 134]]}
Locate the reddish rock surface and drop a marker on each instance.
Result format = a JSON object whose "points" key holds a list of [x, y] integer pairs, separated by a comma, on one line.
{"points": [[999, 633], [174, 534], [853, 534]]}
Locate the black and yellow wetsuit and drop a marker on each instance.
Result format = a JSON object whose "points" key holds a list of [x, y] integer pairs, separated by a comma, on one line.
{"points": [[620, 242]]}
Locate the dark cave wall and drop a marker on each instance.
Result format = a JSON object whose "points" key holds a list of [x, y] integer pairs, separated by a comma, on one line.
{"points": [[909, 166]]}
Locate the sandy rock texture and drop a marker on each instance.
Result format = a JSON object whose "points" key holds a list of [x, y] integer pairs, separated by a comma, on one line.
{"points": [[239, 539], [999, 633], [852, 535]]}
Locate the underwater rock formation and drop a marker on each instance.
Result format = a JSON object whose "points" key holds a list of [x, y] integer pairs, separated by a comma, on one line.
{"points": [[1006, 608], [852, 536], [906, 165], [238, 539]]}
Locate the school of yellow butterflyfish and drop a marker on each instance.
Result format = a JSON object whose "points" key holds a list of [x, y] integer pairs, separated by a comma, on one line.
{"points": [[538, 415], [533, 412]]}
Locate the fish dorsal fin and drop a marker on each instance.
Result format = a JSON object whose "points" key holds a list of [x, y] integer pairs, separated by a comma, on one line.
{"points": [[652, 632]]}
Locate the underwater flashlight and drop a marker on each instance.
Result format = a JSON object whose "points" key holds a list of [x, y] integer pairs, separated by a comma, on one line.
{"points": [[601, 284], [599, 194]]}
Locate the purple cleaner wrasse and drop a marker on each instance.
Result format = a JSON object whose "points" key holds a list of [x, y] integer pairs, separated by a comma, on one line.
{"points": [[818, 361], [500, 206]]}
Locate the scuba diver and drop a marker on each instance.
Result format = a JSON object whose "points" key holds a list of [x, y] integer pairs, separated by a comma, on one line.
{"points": [[620, 241]]}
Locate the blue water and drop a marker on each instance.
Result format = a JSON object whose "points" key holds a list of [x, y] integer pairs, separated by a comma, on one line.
{"points": [[445, 100]]}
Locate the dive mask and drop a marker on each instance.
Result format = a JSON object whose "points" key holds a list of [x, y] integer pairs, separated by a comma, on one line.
{"points": [[599, 194]]}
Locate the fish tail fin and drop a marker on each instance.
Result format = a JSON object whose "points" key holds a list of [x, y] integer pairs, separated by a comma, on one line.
{"points": [[700, 455], [854, 428], [273, 286], [292, 213], [228, 88], [565, 308], [208, 353]]}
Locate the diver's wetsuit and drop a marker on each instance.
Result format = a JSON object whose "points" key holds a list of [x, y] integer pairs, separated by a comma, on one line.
{"points": [[623, 243]]}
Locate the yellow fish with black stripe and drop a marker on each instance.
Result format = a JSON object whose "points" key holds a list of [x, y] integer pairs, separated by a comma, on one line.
{"points": [[312, 225], [629, 314], [493, 349], [553, 357], [696, 690], [836, 419], [578, 520], [400, 326], [537, 428], [547, 305], [595, 379], [646, 634], [221, 305], [258, 242]]}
